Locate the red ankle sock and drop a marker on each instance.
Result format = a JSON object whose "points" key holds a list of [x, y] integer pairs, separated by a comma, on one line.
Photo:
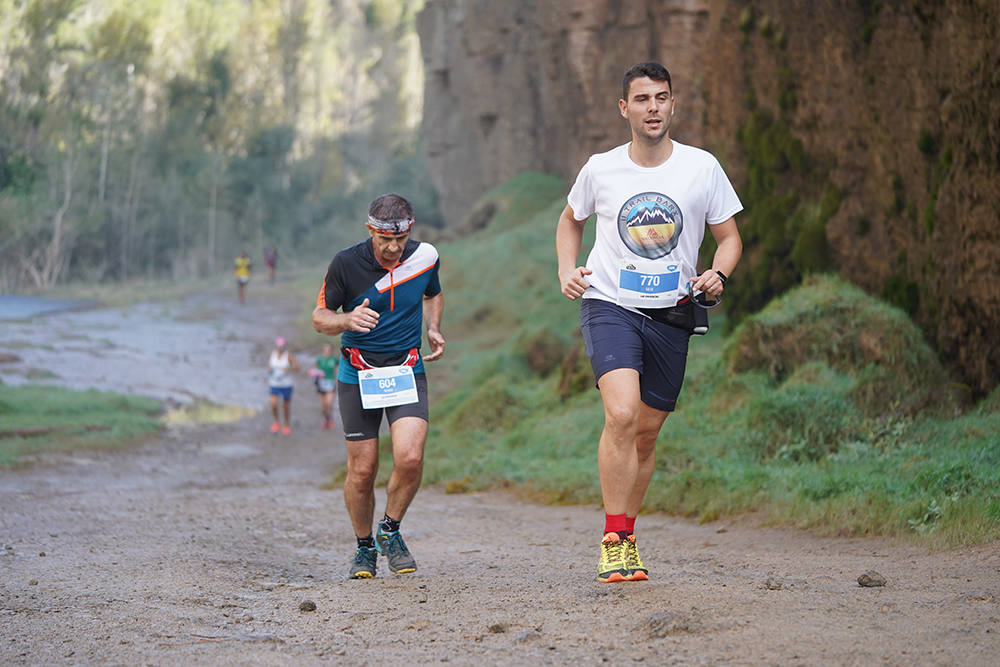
{"points": [[630, 524], [614, 523]]}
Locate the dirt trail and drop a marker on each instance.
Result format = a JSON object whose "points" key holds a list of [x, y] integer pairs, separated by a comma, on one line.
{"points": [[199, 547]]}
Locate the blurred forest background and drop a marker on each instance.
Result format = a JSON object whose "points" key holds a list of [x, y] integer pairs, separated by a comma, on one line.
{"points": [[158, 139]]}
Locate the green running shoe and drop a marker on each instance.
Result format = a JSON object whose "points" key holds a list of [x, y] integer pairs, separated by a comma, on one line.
{"points": [[365, 559], [392, 546], [637, 570], [612, 566]]}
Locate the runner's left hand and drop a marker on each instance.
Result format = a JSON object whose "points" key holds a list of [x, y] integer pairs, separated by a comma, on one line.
{"points": [[709, 282], [437, 345]]}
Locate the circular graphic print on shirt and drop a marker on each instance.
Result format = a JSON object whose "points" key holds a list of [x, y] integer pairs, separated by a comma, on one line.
{"points": [[650, 224]]}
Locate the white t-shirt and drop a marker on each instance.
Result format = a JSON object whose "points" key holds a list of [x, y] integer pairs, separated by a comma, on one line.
{"points": [[649, 216], [279, 375]]}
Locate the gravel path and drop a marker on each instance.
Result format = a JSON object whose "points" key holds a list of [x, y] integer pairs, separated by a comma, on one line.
{"points": [[200, 546]]}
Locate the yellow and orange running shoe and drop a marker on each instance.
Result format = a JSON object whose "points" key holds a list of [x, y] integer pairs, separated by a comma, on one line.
{"points": [[636, 569], [612, 567]]}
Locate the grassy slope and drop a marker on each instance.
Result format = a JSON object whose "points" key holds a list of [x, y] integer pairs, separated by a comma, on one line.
{"points": [[35, 419], [826, 410]]}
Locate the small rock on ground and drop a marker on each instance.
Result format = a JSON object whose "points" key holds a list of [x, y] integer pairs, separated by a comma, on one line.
{"points": [[871, 578]]}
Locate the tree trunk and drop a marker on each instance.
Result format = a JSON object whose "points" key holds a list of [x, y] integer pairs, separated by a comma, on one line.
{"points": [[54, 255], [44, 264], [212, 202], [102, 178], [56, 252], [128, 218]]}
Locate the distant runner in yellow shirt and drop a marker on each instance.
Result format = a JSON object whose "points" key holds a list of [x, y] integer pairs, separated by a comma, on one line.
{"points": [[242, 275]]}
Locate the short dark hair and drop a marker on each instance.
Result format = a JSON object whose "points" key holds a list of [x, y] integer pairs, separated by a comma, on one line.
{"points": [[390, 207], [651, 70]]}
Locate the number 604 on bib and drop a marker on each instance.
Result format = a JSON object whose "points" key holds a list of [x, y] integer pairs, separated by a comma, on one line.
{"points": [[386, 387]]}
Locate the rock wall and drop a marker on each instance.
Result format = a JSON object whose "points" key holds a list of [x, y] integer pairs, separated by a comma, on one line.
{"points": [[531, 85], [897, 101]]}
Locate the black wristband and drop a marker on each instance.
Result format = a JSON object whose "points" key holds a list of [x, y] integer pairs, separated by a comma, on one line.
{"points": [[723, 276]]}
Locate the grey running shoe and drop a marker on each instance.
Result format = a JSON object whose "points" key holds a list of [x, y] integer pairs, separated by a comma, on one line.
{"points": [[392, 546], [363, 566]]}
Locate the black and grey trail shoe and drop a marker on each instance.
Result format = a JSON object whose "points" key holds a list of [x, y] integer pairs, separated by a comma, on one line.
{"points": [[392, 546], [365, 559]]}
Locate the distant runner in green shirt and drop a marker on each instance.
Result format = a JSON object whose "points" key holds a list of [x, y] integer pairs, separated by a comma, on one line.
{"points": [[326, 381]]}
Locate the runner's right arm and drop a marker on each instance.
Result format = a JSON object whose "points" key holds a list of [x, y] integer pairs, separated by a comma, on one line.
{"points": [[569, 237], [326, 319], [362, 319]]}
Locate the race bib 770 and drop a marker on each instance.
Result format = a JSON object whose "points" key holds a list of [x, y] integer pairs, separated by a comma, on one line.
{"points": [[648, 284]]}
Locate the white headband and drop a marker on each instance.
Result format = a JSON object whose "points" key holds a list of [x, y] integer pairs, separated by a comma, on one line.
{"points": [[398, 226]]}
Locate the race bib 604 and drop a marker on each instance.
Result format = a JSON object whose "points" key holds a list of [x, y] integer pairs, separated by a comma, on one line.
{"points": [[386, 387]]}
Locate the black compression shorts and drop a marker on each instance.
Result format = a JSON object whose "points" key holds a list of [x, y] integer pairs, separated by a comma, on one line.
{"points": [[361, 424]]}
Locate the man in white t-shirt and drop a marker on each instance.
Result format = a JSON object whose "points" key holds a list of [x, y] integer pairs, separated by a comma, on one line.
{"points": [[653, 198]]}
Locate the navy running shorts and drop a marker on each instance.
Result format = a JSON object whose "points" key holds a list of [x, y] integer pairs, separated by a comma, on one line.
{"points": [[284, 392], [618, 338], [361, 424]]}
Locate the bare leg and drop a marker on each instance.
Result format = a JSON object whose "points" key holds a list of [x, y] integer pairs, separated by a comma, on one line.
{"points": [[288, 413], [359, 487], [650, 421], [408, 437], [274, 407], [617, 459]]}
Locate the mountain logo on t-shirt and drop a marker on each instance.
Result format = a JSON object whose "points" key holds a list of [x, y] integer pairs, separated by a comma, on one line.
{"points": [[650, 224]]}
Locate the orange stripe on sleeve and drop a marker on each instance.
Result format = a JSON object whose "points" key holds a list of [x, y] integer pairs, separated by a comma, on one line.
{"points": [[321, 298]]}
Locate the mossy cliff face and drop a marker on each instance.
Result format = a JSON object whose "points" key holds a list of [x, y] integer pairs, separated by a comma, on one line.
{"points": [[862, 137], [896, 105]]}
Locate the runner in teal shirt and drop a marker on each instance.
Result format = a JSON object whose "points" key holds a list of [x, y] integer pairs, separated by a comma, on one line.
{"points": [[326, 380]]}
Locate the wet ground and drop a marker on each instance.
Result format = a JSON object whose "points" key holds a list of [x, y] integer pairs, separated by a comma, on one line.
{"points": [[20, 307], [200, 546], [204, 347]]}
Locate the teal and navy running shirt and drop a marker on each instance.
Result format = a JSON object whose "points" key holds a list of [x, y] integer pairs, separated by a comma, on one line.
{"points": [[397, 296]]}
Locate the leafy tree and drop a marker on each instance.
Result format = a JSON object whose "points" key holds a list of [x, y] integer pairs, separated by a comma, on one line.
{"points": [[152, 138]]}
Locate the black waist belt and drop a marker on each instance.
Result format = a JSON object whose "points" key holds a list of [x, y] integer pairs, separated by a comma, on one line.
{"points": [[681, 315]]}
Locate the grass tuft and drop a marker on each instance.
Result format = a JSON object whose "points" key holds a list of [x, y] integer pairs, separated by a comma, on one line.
{"points": [[35, 419]]}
